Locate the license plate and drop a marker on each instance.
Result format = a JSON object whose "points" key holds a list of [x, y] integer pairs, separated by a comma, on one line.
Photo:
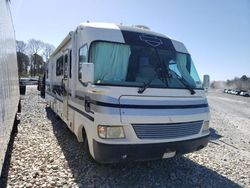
{"points": [[168, 154]]}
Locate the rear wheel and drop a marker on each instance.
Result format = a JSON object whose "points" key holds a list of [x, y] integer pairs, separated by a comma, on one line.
{"points": [[22, 89], [17, 119]]}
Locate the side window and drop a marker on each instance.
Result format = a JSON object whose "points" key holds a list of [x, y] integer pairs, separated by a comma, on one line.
{"points": [[59, 66], [65, 66], [195, 75], [70, 62], [173, 67], [82, 58]]}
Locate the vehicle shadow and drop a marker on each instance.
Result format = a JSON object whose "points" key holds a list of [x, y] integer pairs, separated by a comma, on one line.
{"points": [[214, 135], [6, 165], [176, 172]]}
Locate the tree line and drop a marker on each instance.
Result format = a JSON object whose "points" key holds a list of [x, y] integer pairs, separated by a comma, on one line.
{"points": [[237, 83], [32, 57]]}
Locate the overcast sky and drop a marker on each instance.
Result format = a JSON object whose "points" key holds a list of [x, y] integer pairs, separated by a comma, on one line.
{"points": [[216, 33]]}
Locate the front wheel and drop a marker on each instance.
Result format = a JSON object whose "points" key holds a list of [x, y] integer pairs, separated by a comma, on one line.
{"points": [[86, 146]]}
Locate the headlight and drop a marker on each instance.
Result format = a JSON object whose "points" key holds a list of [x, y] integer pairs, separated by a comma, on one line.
{"points": [[205, 126], [110, 131]]}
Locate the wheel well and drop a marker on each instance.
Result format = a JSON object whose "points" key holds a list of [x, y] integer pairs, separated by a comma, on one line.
{"points": [[84, 136]]}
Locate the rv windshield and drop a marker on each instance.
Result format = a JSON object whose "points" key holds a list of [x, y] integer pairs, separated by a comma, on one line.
{"points": [[129, 65]]}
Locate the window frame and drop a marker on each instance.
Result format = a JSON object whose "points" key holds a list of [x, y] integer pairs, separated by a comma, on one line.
{"points": [[64, 58], [78, 62], [70, 63]]}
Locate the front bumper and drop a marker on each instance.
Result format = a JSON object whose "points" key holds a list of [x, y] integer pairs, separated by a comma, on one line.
{"points": [[112, 153]]}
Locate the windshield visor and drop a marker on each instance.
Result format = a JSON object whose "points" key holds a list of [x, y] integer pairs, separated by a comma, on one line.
{"points": [[131, 65]]}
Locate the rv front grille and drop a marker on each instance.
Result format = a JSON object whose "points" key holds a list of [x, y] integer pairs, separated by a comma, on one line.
{"points": [[167, 131]]}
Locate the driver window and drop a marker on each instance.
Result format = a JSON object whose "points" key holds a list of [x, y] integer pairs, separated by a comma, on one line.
{"points": [[82, 59]]}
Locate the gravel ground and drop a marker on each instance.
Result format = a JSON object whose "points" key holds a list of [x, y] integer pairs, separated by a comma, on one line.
{"points": [[46, 154]]}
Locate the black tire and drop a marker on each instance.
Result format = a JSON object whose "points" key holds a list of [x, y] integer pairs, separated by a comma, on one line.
{"points": [[17, 120], [19, 107], [22, 89], [85, 141], [15, 127], [86, 146]]}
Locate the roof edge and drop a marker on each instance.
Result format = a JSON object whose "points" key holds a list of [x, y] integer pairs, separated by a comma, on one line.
{"points": [[65, 41]]}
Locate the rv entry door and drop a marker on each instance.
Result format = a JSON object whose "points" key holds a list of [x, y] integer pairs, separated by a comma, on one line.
{"points": [[65, 86]]}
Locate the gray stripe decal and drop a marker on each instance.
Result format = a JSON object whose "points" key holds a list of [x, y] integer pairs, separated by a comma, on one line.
{"points": [[82, 113], [170, 112], [53, 95]]}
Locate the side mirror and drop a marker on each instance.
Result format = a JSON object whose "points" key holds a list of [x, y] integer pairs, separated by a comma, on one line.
{"points": [[87, 73], [206, 82]]}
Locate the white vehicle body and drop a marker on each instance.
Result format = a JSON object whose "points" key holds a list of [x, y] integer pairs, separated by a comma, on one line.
{"points": [[122, 123], [245, 93], [9, 87], [234, 92]]}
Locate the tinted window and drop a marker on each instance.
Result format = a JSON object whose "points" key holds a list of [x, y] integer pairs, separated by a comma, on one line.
{"points": [[59, 66], [66, 66], [124, 64]]}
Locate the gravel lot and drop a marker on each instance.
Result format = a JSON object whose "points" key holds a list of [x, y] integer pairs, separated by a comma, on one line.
{"points": [[46, 154]]}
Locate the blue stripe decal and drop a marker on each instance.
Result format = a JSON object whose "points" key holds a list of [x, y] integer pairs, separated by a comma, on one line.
{"points": [[112, 105]]}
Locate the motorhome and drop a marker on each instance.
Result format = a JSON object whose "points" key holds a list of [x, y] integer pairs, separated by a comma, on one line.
{"points": [[128, 93], [9, 86]]}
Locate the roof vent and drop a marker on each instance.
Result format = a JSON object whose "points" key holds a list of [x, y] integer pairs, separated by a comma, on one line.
{"points": [[142, 27]]}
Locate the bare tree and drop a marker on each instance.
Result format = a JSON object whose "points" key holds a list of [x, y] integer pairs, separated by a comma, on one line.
{"points": [[21, 46], [37, 50], [47, 50], [35, 47]]}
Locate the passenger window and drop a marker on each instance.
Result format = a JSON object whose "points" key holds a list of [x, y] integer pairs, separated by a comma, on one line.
{"points": [[70, 62], [82, 59], [65, 66], [59, 66]]}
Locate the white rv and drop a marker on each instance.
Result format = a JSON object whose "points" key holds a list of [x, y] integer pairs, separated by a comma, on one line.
{"points": [[128, 93], [9, 87]]}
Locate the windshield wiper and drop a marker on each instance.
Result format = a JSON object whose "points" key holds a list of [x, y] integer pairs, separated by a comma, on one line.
{"points": [[192, 91], [183, 81], [146, 85]]}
